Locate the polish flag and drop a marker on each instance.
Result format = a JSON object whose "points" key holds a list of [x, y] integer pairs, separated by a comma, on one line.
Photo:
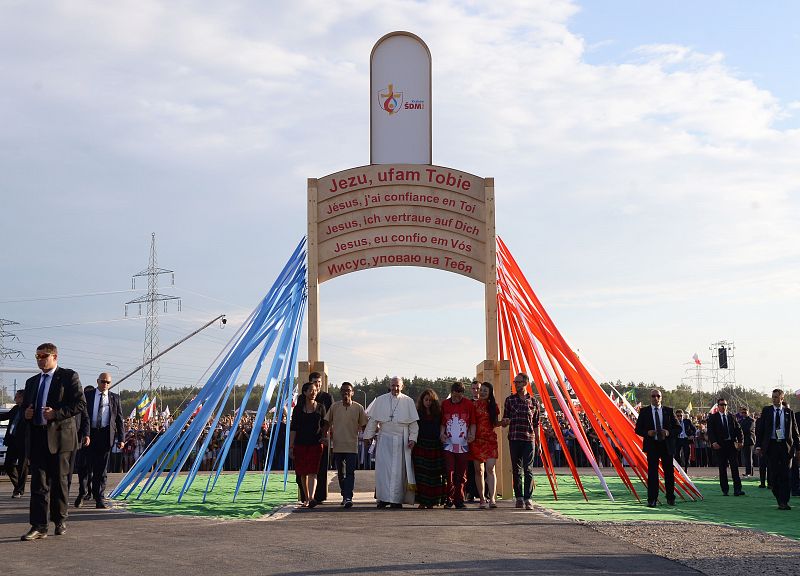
{"points": [[696, 359]]}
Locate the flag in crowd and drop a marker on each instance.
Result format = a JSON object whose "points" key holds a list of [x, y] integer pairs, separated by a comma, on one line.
{"points": [[166, 414], [689, 407], [150, 411], [142, 404], [696, 359], [631, 395]]}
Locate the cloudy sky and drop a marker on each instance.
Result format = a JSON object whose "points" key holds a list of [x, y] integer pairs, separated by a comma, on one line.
{"points": [[645, 160]]}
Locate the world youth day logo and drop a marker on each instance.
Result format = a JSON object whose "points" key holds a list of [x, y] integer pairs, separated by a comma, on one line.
{"points": [[390, 101]]}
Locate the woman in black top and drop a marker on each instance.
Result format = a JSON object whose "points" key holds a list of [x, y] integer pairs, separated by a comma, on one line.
{"points": [[306, 431]]}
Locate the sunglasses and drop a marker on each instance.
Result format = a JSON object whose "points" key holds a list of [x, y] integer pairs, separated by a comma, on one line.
{"points": [[104, 381], [722, 404], [655, 395], [519, 381], [42, 356]]}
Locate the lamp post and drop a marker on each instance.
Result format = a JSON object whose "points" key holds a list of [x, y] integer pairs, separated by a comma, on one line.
{"points": [[364, 392]]}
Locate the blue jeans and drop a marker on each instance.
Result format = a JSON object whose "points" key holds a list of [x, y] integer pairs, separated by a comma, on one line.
{"points": [[346, 463], [522, 467]]}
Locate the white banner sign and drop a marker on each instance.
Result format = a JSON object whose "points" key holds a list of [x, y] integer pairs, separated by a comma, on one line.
{"points": [[400, 100]]}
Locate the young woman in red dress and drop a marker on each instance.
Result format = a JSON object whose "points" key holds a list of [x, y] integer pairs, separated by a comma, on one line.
{"points": [[483, 451]]}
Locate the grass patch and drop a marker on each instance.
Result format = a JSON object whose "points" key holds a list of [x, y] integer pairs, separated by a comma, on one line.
{"points": [[756, 510], [219, 502]]}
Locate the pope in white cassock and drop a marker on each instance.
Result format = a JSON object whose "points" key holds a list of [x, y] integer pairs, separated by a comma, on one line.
{"points": [[393, 417]]}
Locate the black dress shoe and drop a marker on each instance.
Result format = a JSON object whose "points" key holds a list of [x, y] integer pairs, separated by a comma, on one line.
{"points": [[35, 533], [17, 495], [670, 501], [651, 504], [784, 507], [739, 493], [78, 501], [61, 529], [724, 493], [396, 505], [102, 505], [382, 504]]}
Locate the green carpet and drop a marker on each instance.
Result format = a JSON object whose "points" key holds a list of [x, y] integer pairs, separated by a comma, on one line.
{"points": [[218, 502], [756, 510]]}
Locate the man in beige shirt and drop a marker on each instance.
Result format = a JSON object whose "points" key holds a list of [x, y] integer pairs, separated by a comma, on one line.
{"points": [[346, 418]]}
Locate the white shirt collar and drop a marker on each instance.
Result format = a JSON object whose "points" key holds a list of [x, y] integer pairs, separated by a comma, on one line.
{"points": [[51, 372]]}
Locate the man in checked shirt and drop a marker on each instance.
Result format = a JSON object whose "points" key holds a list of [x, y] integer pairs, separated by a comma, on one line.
{"points": [[521, 415]]}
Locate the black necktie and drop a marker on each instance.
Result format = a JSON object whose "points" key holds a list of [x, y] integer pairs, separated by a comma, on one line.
{"points": [[777, 421], [727, 430], [99, 413], [40, 402], [658, 423]]}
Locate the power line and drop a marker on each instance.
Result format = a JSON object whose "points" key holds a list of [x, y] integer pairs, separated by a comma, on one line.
{"points": [[76, 324], [60, 297]]}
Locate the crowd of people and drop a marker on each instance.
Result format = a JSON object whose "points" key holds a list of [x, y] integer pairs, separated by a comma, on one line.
{"points": [[430, 452]]}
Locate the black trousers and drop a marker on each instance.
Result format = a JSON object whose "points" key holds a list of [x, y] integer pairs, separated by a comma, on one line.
{"points": [[16, 467], [747, 459], [682, 452], [83, 469], [657, 454], [49, 473], [778, 463], [99, 450], [521, 453], [726, 456]]}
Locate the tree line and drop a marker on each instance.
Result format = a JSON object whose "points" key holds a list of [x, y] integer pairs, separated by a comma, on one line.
{"points": [[365, 391]]}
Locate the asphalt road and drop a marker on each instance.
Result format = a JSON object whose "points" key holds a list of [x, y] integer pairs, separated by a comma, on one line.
{"points": [[327, 540]]}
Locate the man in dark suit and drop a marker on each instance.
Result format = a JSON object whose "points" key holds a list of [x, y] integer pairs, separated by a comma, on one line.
{"points": [[105, 418], [684, 439], [795, 475], [777, 437], [725, 437], [748, 425], [16, 465], [762, 458], [80, 458], [50, 402], [658, 427]]}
